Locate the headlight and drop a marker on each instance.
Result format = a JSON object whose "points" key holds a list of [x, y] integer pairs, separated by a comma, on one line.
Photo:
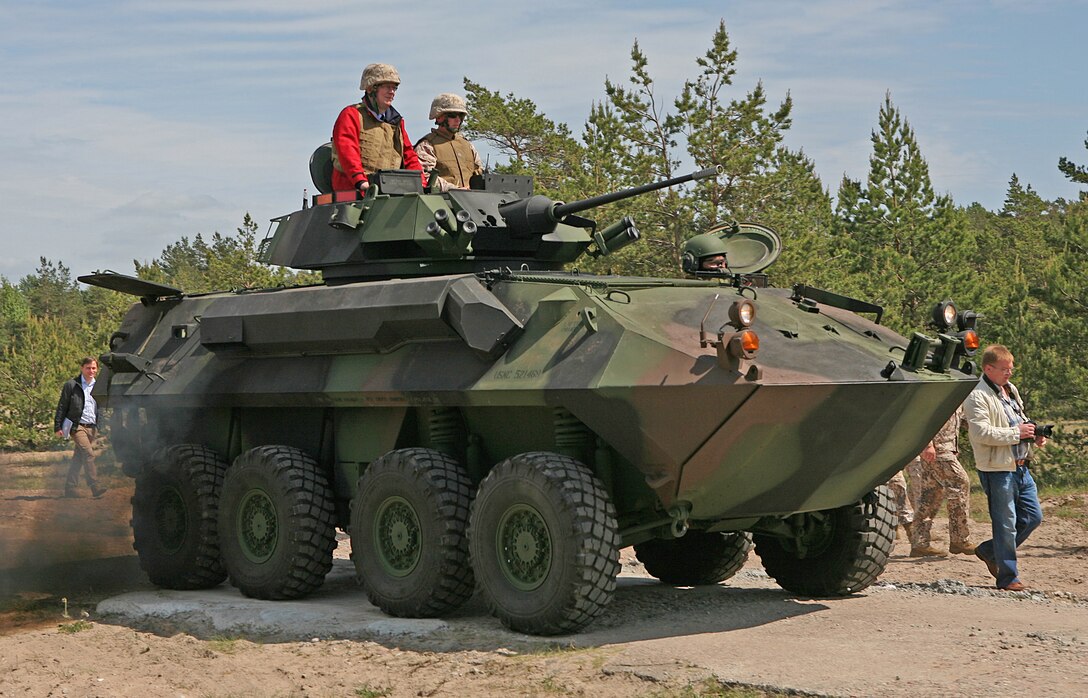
{"points": [[944, 315], [742, 313]]}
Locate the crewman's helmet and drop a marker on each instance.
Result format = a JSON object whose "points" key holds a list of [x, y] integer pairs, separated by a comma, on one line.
{"points": [[701, 246], [376, 74], [448, 103]]}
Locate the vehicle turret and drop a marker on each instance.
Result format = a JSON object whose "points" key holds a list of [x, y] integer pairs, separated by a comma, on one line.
{"points": [[398, 229]]}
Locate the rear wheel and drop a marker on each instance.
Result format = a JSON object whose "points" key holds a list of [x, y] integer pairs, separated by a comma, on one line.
{"points": [[695, 558], [408, 539], [837, 552], [276, 523], [544, 544], [174, 511]]}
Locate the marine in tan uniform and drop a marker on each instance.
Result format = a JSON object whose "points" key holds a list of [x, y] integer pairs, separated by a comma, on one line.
{"points": [[942, 477], [444, 151], [903, 511]]}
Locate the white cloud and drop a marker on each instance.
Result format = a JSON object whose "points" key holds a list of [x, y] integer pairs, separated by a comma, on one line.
{"points": [[130, 124]]}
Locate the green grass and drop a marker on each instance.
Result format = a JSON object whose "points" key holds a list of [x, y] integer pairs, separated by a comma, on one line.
{"points": [[549, 685], [553, 649], [224, 645], [74, 627], [366, 691], [38, 475], [33, 476], [712, 688], [1071, 508]]}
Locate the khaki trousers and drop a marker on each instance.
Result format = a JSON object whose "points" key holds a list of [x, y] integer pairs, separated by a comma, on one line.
{"points": [[82, 458]]}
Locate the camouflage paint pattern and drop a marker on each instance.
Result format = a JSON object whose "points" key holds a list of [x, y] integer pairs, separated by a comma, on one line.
{"points": [[485, 350], [818, 429]]}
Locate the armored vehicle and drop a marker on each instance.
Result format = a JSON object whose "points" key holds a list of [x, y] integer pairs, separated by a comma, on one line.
{"points": [[477, 417]]}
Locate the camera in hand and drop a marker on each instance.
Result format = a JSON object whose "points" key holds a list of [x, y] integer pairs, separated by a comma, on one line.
{"points": [[1044, 430]]}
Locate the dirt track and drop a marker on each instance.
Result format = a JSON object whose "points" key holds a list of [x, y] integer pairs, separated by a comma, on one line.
{"points": [[930, 627]]}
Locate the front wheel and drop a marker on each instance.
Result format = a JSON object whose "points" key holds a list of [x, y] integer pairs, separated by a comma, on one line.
{"points": [[276, 523], [838, 552], [174, 512], [544, 544], [696, 558]]}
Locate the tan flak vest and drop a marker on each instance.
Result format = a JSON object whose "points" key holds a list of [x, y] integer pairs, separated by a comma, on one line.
{"points": [[455, 156], [380, 144]]}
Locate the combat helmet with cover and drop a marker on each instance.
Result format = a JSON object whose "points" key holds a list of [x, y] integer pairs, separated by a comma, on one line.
{"points": [[376, 74], [447, 103]]}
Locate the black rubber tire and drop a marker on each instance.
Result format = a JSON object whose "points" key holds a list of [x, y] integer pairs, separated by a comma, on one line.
{"points": [[174, 512], [408, 533], [557, 570], [696, 558], [852, 557], [276, 523]]}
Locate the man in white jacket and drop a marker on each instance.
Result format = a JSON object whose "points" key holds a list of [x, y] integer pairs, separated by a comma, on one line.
{"points": [[1001, 437]]}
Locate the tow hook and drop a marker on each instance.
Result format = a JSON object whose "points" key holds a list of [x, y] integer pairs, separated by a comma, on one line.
{"points": [[680, 513]]}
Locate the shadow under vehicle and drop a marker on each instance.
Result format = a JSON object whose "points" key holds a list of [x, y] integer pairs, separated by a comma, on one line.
{"points": [[475, 416]]}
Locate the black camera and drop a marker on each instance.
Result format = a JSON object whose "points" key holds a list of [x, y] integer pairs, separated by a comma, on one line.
{"points": [[1044, 430]]}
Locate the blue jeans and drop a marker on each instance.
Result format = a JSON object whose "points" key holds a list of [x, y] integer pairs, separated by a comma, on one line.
{"points": [[1014, 513]]}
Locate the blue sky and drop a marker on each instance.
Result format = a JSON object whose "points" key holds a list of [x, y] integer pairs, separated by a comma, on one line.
{"points": [[127, 125]]}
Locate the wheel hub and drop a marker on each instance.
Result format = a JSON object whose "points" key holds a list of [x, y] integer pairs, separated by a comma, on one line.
{"points": [[257, 526], [397, 536], [812, 535], [170, 518], [524, 547]]}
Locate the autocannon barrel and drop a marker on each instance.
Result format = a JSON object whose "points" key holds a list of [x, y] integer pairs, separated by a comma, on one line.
{"points": [[538, 214], [562, 210]]}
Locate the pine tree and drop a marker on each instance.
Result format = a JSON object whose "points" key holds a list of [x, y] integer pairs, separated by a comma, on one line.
{"points": [[1074, 172], [32, 368], [904, 245], [642, 136], [225, 262], [634, 136], [532, 143], [14, 312], [52, 292], [1056, 312], [741, 136]]}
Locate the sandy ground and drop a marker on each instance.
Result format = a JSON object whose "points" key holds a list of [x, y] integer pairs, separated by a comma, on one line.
{"points": [[929, 627]]}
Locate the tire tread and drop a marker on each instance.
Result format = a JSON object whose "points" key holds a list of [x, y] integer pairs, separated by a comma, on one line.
{"points": [[203, 470], [593, 524]]}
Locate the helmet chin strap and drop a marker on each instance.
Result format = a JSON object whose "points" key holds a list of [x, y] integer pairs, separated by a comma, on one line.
{"points": [[444, 122], [372, 101]]}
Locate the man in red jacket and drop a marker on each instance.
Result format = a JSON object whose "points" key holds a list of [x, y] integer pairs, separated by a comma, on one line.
{"points": [[370, 136]]}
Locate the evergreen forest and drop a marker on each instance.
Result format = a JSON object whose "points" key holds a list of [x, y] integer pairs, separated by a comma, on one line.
{"points": [[890, 238]]}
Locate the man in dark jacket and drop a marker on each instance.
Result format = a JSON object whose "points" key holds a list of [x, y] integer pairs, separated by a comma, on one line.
{"points": [[77, 416]]}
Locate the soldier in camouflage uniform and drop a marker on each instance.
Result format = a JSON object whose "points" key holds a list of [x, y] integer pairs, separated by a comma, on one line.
{"points": [[915, 472], [942, 476], [444, 152], [903, 511]]}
